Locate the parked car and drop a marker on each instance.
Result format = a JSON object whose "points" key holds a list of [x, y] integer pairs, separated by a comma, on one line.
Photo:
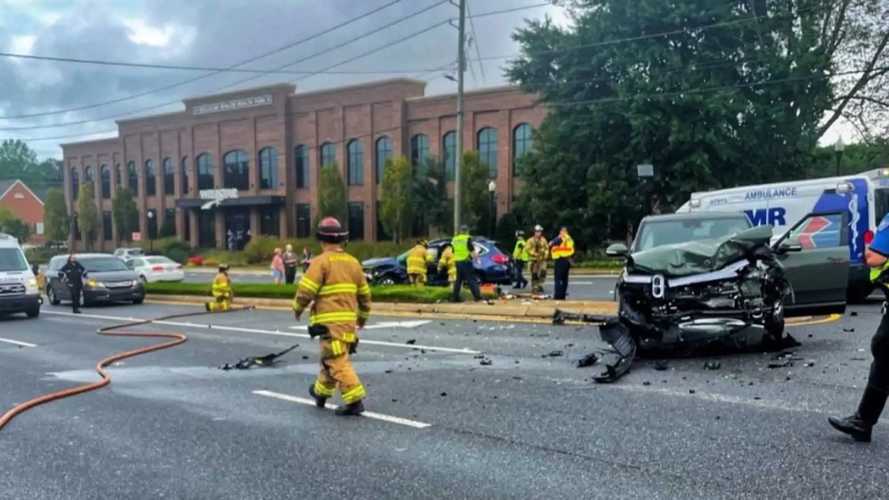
{"points": [[128, 254], [18, 285], [153, 269], [492, 266], [107, 279]]}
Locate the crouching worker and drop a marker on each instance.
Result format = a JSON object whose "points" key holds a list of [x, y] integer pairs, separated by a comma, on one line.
{"points": [[336, 287], [416, 263], [222, 292]]}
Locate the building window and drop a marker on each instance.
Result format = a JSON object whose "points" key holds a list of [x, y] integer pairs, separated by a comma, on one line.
{"points": [[132, 178], [117, 176], [355, 163], [205, 171], [522, 142], [301, 161], [328, 154], [449, 148], [236, 170], [150, 178], [152, 223], [88, 174], [487, 149], [268, 168], [169, 177], [384, 152], [106, 226], [206, 228], [356, 221], [269, 224], [184, 175], [419, 149], [105, 176], [168, 228], [382, 234], [75, 184], [303, 220]]}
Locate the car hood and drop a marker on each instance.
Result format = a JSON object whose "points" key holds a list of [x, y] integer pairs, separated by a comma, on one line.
{"points": [[697, 257], [112, 275], [381, 262]]}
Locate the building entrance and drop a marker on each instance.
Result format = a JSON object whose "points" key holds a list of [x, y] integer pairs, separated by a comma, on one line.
{"points": [[237, 228]]}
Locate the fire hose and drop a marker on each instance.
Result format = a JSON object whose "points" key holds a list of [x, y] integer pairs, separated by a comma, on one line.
{"points": [[111, 331]]}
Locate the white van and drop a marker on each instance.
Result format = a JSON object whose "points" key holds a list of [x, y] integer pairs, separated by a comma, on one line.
{"points": [[18, 285]]}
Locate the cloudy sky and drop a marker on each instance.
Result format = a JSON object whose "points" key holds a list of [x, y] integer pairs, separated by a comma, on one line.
{"points": [[221, 33]]}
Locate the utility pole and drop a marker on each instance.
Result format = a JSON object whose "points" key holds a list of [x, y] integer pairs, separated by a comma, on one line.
{"points": [[461, 68]]}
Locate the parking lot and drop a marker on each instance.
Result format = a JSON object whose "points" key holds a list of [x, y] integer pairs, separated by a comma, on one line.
{"points": [[529, 425]]}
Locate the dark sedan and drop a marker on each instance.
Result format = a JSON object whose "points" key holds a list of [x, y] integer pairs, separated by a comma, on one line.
{"points": [[107, 280]]}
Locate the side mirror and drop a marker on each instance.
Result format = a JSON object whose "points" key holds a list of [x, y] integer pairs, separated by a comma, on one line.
{"points": [[617, 250], [790, 245]]}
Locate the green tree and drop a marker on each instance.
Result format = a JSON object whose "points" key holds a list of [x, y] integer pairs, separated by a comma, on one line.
{"points": [[55, 216], [87, 214], [474, 198], [430, 196], [18, 161], [396, 204], [13, 226], [332, 194], [124, 213]]}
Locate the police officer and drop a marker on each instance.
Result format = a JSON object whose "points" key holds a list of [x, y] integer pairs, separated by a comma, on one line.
{"points": [[873, 401], [222, 292], [519, 258], [336, 287], [464, 253], [562, 250], [73, 272]]}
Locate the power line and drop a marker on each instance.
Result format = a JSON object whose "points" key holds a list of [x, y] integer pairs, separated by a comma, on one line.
{"points": [[476, 43]]}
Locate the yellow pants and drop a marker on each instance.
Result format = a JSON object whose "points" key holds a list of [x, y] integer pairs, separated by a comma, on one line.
{"points": [[220, 304], [417, 279], [337, 373]]}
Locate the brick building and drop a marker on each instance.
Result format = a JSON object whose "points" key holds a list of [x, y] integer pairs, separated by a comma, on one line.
{"points": [[269, 143], [25, 205]]}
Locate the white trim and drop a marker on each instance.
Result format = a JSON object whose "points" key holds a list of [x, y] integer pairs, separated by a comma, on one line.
{"points": [[18, 181], [18, 343], [368, 414]]}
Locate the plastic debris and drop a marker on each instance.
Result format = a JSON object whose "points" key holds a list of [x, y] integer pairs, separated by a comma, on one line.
{"points": [[411, 342], [712, 365], [661, 366], [588, 360]]}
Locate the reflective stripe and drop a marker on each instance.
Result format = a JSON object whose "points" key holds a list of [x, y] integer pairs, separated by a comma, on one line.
{"points": [[324, 391], [309, 284], [334, 317], [349, 337], [296, 306], [363, 314], [364, 290], [341, 288], [337, 348], [354, 394]]}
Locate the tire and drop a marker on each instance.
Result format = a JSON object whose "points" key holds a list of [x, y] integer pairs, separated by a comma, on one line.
{"points": [[51, 296], [138, 301], [774, 324], [33, 312], [144, 280], [387, 281]]}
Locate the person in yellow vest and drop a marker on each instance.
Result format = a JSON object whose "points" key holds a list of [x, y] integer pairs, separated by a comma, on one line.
{"points": [[538, 251], [337, 289], [519, 258], [448, 262], [417, 261], [464, 254], [222, 292], [562, 251]]}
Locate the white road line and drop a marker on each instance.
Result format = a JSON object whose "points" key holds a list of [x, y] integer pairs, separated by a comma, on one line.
{"points": [[207, 326], [368, 414], [722, 398], [16, 342]]}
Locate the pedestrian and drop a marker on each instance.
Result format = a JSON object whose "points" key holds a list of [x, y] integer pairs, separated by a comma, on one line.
{"points": [[307, 259], [277, 267], [464, 254], [222, 292], [860, 424], [519, 258], [73, 272], [290, 263], [417, 262], [230, 240], [336, 287], [562, 251], [448, 263], [538, 251]]}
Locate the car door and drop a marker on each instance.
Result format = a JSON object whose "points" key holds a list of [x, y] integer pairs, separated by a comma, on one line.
{"points": [[59, 287], [815, 255]]}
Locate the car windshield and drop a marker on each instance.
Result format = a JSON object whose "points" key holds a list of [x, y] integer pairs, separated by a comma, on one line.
{"points": [[102, 264], [669, 232], [11, 259]]}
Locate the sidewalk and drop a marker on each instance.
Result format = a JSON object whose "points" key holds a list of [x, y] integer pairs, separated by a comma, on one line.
{"points": [[262, 271]]}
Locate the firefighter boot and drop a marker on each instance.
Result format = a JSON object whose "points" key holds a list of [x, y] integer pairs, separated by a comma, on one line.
{"points": [[319, 401], [853, 426], [353, 409]]}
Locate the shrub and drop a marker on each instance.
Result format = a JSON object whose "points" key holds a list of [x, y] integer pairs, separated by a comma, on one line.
{"points": [[211, 263], [260, 249], [40, 255]]}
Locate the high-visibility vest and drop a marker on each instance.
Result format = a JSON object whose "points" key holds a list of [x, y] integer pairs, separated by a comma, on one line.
{"points": [[876, 272], [520, 252], [564, 249], [461, 247]]}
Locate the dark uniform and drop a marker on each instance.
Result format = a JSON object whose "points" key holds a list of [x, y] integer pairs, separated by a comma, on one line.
{"points": [[463, 254], [73, 273]]}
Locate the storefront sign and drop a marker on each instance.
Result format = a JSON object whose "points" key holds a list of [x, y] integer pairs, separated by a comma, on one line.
{"points": [[233, 104]]}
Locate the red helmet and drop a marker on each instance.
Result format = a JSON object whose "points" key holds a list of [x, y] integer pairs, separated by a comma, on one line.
{"points": [[331, 231]]}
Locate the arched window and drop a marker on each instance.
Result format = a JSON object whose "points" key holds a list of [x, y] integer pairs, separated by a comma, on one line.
{"points": [[236, 170], [355, 163], [205, 171], [169, 177], [268, 168], [419, 149], [88, 174], [75, 183], [117, 175], [487, 149], [105, 175], [184, 175], [522, 142], [150, 178], [301, 162], [384, 152], [449, 149], [328, 154], [132, 179]]}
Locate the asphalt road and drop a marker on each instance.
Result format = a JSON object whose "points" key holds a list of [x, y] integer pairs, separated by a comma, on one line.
{"points": [[172, 425]]}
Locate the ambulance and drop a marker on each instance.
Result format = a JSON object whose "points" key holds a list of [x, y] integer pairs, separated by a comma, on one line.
{"points": [[844, 210], [18, 285]]}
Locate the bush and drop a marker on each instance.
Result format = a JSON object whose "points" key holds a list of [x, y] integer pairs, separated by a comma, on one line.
{"points": [[40, 255], [260, 249], [173, 248]]}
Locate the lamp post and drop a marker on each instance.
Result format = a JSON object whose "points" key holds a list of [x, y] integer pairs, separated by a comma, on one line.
{"points": [[492, 188], [838, 148], [150, 215]]}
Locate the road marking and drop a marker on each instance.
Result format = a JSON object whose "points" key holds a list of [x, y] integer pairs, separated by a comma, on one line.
{"points": [[368, 414], [16, 342], [809, 321], [721, 398], [279, 333], [383, 325]]}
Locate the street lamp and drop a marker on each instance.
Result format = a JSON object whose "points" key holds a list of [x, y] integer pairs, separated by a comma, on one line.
{"points": [[150, 215], [838, 148], [492, 188]]}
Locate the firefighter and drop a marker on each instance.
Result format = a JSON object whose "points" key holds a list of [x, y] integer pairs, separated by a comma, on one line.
{"points": [[860, 425], [448, 262], [417, 260], [73, 273], [520, 257], [464, 254], [538, 251], [562, 251], [336, 287], [222, 292]]}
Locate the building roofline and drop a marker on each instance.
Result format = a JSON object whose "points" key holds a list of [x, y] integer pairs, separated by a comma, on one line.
{"points": [[148, 117], [275, 86], [481, 91], [19, 181], [371, 84], [94, 141]]}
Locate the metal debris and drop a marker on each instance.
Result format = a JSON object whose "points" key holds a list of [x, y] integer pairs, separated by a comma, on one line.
{"points": [[712, 365], [588, 360]]}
